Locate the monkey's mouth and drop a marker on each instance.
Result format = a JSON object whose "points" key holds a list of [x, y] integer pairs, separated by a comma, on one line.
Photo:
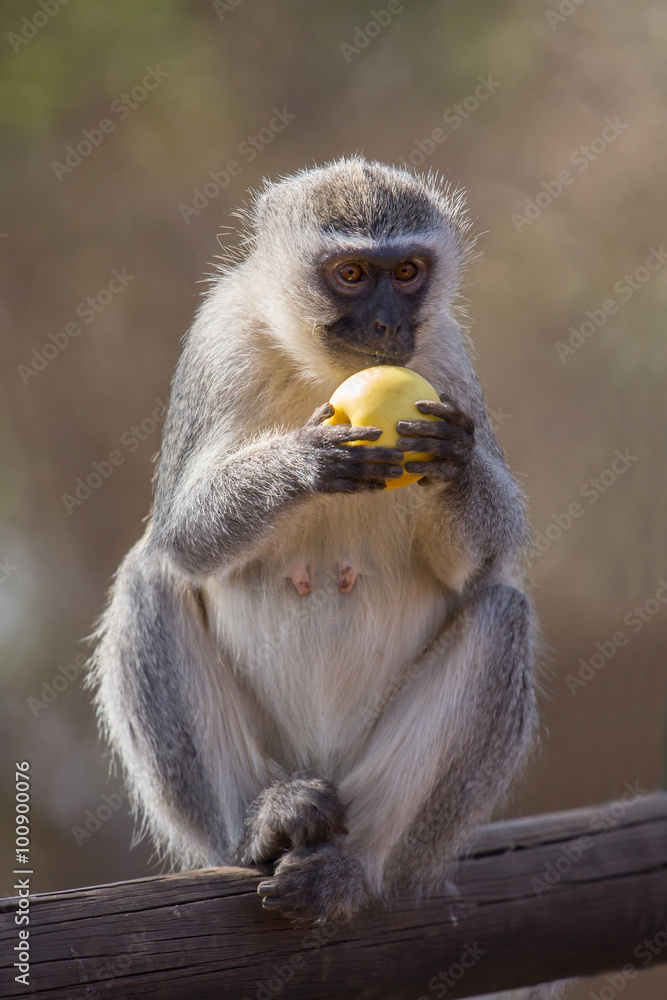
{"points": [[374, 358]]}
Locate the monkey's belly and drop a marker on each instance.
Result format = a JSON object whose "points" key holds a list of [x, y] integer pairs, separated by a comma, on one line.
{"points": [[328, 662]]}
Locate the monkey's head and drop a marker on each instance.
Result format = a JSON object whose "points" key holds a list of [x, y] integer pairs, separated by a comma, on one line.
{"points": [[354, 261]]}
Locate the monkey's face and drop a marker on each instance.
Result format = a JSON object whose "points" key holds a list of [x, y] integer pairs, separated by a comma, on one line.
{"points": [[352, 263], [376, 297]]}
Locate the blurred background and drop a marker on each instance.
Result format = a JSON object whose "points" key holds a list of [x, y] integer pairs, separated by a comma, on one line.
{"points": [[132, 130]]}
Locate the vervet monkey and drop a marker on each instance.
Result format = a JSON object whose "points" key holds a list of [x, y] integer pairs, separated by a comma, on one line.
{"points": [[298, 667]]}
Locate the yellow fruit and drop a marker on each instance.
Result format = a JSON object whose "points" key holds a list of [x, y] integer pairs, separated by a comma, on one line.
{"points": [[379, 397]]}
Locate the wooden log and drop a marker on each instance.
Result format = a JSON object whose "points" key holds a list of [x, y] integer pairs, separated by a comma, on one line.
{"points": [[537, 899]]}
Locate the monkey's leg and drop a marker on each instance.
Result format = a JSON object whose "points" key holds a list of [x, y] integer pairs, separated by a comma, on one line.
{"points": [[441, 755], [175, 714], [447, 746]]}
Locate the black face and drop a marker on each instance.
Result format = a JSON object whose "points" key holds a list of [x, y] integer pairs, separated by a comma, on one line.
{"points": [[379, 297]]}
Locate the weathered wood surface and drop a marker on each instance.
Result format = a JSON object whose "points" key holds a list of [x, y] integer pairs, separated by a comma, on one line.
{"points": [[534, 902]]}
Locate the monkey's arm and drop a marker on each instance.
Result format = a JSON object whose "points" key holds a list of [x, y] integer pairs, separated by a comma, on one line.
{"points": [[470, 513], [221, 506], [474, 524]]}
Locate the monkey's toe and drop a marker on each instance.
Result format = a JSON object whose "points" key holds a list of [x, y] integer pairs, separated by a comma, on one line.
{"points": [[314, 885]]}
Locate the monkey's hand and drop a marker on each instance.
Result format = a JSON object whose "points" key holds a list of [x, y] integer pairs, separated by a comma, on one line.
{"points": [[341, 467], [450, 440], [291, 814]]}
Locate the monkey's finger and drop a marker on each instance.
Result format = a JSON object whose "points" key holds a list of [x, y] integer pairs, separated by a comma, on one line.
{"points": [[433, 428], [320, 414], [436, 470], [446, 410], [358, 469], [456, 415], [340, 433], [366, 453], [454, 451]]}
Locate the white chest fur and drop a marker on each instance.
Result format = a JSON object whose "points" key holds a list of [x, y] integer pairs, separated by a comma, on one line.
{"points": [[322, 661]]}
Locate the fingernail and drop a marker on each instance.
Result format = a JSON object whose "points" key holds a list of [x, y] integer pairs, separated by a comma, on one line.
{"points": [[402, 425]]}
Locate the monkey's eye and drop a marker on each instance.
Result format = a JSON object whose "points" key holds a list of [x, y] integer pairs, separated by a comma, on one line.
{"points": [[350, 273], [406, 271]]}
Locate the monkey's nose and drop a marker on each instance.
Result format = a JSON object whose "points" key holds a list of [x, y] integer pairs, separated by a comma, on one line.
{"points": [[382, 329]]}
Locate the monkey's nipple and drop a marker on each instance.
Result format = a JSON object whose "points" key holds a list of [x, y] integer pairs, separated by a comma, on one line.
{"points": [[300, 578], [347, 576]]}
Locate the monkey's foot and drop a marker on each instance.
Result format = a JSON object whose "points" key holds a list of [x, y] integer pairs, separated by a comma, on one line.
{"points": [[292, 813], [314, 885]]}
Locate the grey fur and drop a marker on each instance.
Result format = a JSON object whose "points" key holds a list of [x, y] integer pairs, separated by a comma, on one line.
{"points": [[237, 705]]}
